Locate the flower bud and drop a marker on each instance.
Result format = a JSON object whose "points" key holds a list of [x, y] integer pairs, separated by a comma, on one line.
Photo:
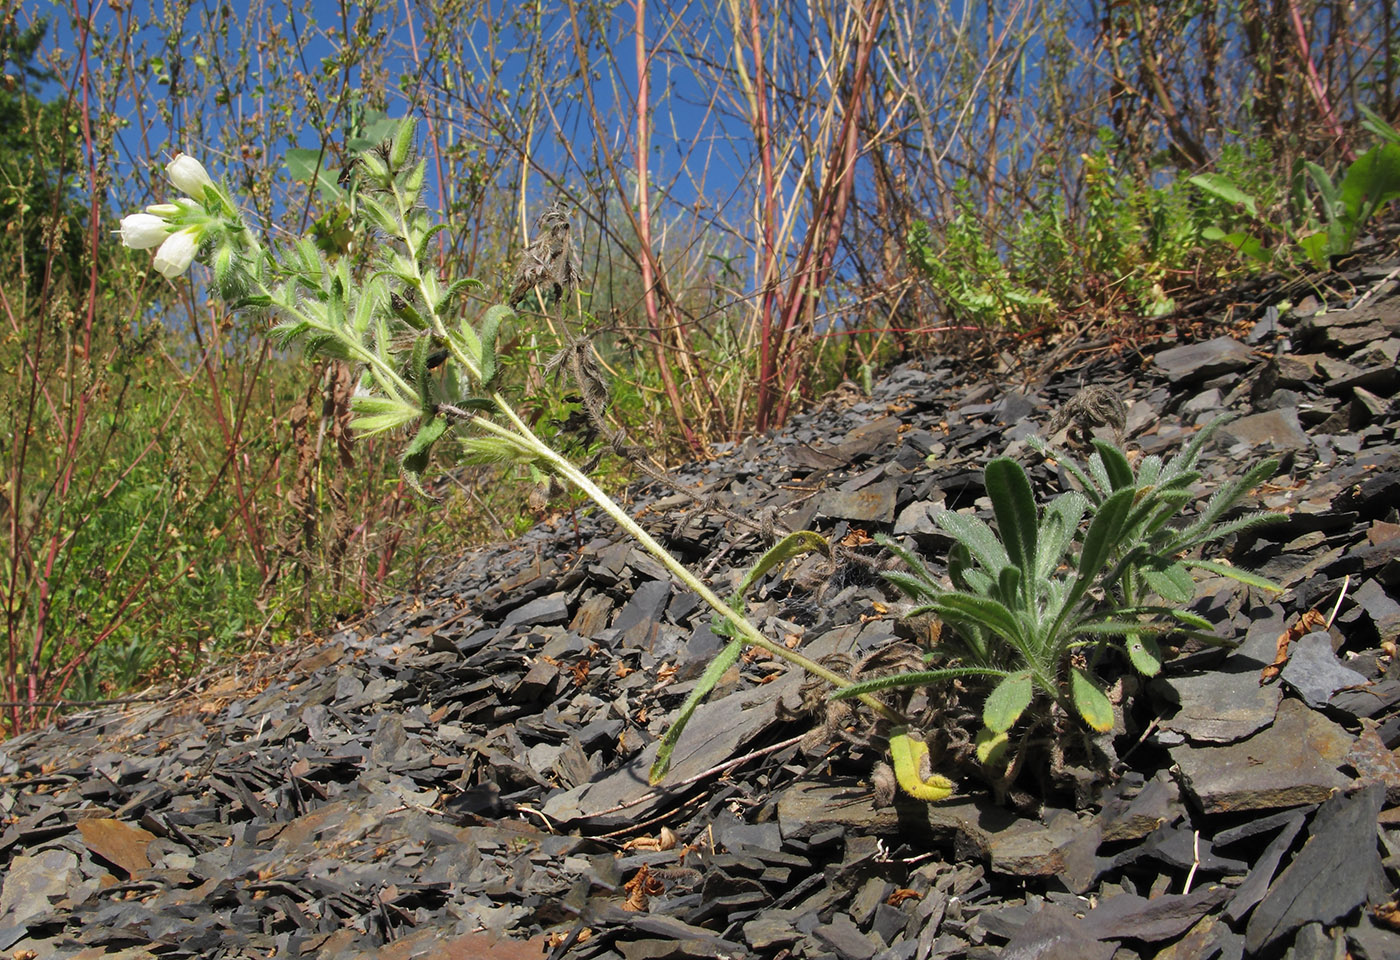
{"points": [[188, 175], [165, 211], [176, 253], [141, 231]]}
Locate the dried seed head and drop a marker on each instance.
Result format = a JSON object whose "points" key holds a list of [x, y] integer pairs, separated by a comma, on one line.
{"points": [[549, 265]]}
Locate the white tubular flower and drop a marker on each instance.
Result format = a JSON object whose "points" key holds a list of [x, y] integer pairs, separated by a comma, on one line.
{"points": [[188, 175], [141, 231], [177, 253]]}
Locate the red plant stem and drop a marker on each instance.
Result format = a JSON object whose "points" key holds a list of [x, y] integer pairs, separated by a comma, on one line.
{"points": [[768, 273], [231, 440], [1315, 85], [644, 225], [822, 237]]}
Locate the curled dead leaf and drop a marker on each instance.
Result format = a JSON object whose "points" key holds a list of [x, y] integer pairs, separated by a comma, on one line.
{"points": [[1307, 623]]}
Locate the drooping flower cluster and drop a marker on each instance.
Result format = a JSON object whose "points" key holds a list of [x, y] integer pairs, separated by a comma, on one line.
{"points": [[179, 228]]}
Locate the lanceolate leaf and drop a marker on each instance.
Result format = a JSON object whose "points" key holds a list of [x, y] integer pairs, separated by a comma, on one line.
{"points": [[1172, 581], [977, 537], [1057, 531], [982, 611], [913, 769], [919, 678], [377, 414], [1090, 700], [1145, 655], [1007, 701], [415, 458], [725, 659], [1236, 574], [1120, 472], [490, 329], [1014, 505], [793, 545]]}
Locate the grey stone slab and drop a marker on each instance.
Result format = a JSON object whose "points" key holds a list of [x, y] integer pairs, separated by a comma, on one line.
{"points": [[1273, 429], [550, 609], [1349, 329], [1291, 763], [1195, 362], [1337, 871], [843, 936], [1054, 933], [636, 623], [1256, 883], [717, 728], [1374, 602], [1225, 703], [1314, 671], [872, 504], [1130, 917], [32, 883]]}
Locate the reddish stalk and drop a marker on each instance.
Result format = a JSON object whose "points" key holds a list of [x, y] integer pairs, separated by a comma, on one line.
{"points": [[648, 264], [820, 243], [1315, 86]]}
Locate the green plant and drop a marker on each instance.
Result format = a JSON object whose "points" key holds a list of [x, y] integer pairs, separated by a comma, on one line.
{"points": [[967, 272], [427, 355], [1037, 604], [1323, 227]]}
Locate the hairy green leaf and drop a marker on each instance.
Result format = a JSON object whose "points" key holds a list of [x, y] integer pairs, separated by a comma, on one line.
{"points": [[1007, 701], [1090, 700], [725, 659], [415, 458]]}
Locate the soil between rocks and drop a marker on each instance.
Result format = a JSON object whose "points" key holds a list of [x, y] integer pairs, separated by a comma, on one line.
{"points": [[464, 773]]}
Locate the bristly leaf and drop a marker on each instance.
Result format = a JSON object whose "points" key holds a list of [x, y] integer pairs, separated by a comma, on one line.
{"points": [[415, 458], [1090, 700], [1116, 466], [1172, 581], [1145, 655], [490, 330], [1007, 701], [913, 769], [1236, 574], [1014, 505], [378, 414], [977, 537], [793, 545], [917, 678], [725, 659]]}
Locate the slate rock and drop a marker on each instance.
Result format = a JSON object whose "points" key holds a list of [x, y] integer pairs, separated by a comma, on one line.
{"points": [[1348, 329], [1261, 874], [1374, 762], [1337, 872], [1273, 429], [1224, 703], [1195, 362], [638, 622], [1053, 933], [1130, 917], [871, 504], [1291, 763], [843, 936], [550, 609], [32, 883], [1314, 671]]}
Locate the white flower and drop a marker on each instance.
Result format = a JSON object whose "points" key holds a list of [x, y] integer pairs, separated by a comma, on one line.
{"points": [[141, 231], [177, 253], [188, 175]]}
